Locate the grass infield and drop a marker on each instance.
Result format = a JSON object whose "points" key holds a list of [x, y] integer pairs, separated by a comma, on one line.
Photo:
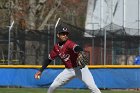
{"points": [[44, 90]]}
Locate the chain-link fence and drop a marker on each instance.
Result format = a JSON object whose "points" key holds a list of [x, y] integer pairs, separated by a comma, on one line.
{"points": [[31, 47]]}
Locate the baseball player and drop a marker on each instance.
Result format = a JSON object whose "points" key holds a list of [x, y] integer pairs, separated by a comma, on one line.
{"points": [[73, 57]]}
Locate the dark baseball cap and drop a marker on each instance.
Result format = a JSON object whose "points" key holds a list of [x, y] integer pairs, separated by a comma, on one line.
{"points": [[60, 29]]}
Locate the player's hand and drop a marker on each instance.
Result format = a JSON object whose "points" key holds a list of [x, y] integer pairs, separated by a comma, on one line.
{"points": [[37, 75]]}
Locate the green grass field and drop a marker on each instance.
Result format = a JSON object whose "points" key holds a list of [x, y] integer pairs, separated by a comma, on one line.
{"points": [[44, 90]]}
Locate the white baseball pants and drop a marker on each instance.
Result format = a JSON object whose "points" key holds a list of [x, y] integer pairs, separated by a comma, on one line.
{"points": [[67, 74]]}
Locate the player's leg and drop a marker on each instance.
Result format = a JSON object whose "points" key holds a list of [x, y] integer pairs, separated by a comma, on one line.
{"points": [[61, 79], [85, 75]]}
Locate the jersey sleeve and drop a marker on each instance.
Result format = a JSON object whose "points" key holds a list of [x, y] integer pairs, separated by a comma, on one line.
{"points": [[72, 45], [52, 54]]}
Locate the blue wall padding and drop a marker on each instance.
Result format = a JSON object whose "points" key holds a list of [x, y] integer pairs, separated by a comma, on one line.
{"points": [[104, 78]]}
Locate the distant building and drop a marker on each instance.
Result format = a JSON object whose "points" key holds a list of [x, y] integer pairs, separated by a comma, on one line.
{"points": [[101, 13]]}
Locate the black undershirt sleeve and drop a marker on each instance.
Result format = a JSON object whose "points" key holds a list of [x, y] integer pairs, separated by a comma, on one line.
{"points": [[45, 64], [78, 49]]}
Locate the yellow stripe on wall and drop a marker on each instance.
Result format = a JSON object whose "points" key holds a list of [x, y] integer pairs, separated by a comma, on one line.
{"points": [[62, 66]]}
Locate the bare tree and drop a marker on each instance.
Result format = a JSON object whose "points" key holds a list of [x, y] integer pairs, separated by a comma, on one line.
{"points": [[36, 15]]}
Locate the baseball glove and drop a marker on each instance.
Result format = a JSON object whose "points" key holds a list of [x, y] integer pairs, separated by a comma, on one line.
{"points": [[82, 59]]}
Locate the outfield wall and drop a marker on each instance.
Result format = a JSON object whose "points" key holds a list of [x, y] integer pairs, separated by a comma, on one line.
{"points": [[105, 76]]}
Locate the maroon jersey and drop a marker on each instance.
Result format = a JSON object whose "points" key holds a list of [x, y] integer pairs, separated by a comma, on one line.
{"points": [[66, 53]]}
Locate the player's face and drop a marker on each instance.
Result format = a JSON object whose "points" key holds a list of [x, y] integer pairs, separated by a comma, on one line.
{"points": [[62, 36]]}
